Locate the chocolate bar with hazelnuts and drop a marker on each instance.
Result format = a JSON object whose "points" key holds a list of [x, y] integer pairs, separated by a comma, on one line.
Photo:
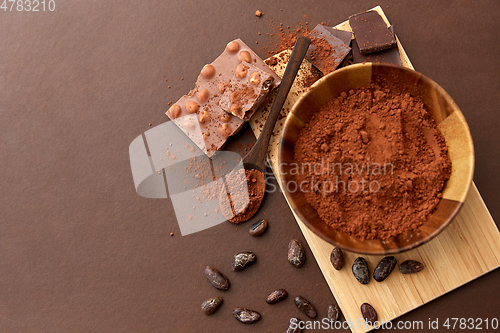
{"points": [[227, 93]]}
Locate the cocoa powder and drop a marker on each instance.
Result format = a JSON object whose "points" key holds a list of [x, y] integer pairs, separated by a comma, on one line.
{"points": [[323, 51], [372, 163], [246, 191]]}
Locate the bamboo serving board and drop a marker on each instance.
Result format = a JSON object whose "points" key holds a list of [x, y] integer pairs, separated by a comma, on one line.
{"points": [[468, 248]]}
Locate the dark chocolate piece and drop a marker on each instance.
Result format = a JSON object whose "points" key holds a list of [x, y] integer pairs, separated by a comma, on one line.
{"points": [[326, 51], [349, 60], [345, 36], [244, 92], [389, 56], [207, 114], [371, 32]]}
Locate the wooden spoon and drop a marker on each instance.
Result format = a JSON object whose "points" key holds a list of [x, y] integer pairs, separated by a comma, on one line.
{"points": [[256, 158]]}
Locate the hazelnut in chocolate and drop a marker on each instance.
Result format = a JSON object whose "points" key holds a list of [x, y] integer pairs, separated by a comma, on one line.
{"points": [[244, 93]]}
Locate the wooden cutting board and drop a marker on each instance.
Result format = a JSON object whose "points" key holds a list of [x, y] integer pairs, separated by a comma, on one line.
{"points": [[468, 248]]}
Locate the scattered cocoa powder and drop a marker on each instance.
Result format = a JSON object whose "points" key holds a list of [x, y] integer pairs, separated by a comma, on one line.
{"points": [[246, 188], [372, 163], [286, 38]]}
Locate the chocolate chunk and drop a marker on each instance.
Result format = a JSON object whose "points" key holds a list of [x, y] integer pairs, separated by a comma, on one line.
{"points": [[206, 115], [346, 37], [326, 51], [246, 189], [371, 32], [216, 278], [333, 312], [211, 305], [389, 56], [276, 296], [384, 268]]}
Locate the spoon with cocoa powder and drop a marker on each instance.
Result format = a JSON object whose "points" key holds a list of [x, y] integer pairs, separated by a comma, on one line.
{"points": [[244, 189]]}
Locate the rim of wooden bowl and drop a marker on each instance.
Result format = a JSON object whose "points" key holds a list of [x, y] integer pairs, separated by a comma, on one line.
{"points": [[455, 130]]}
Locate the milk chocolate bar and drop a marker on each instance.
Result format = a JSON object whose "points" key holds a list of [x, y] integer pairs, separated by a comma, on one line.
{"points": [[227, 93], [245, 91], [371, 32], [326, 57]]}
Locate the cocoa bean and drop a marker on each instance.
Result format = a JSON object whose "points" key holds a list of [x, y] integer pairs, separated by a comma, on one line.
{"points": [[305, 306], [246, 316], [296, 253], [258, 228], [369, 313], [242, 260], [384, 268], [211, 305], [410, 267], [276, 296], [361, 271], [337, 258], [216, 278]]}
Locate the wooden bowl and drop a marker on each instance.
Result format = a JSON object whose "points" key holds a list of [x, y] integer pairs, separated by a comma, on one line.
{"points": [[449, 119]]}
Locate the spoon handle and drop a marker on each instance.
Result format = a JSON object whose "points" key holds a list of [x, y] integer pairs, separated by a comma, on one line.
{"points": [[298, 54]]}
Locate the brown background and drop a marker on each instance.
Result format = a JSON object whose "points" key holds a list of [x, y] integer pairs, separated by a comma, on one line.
{"points": [[80, 251]]}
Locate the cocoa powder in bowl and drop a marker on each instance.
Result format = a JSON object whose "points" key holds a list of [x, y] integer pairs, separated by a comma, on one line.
{"points": [[372, 163]]}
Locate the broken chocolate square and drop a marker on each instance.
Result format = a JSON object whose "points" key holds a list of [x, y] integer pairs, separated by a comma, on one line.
{"points": [[371, 32], [345, 36], [326, 51]]}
